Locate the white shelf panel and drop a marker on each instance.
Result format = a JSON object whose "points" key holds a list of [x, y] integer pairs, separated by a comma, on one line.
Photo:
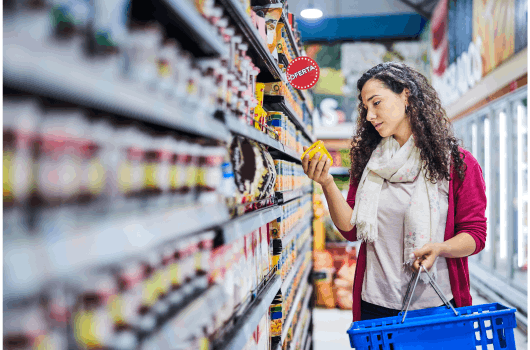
{"points": [[248, 323], [239, 227]]}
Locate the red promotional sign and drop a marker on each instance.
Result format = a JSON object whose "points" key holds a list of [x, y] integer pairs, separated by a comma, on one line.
{"points": [[303, 73]]}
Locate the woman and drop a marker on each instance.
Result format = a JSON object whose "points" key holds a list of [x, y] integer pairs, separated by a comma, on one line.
{"points": [[415, 196]]}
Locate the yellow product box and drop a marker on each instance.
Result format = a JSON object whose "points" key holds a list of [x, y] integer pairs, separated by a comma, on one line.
{"points": [[275, 88], [259, 93], [315, 148]]}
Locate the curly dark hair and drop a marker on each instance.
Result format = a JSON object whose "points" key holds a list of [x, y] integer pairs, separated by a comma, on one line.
{"points": [[433, 133]]}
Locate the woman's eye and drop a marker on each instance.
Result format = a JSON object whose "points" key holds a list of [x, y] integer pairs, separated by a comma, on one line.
{"points": [[376, 103]]}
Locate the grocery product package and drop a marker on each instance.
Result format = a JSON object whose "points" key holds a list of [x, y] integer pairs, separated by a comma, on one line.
{"points": [[272, 14], [343, 285], [323, 272], [274, 89]]}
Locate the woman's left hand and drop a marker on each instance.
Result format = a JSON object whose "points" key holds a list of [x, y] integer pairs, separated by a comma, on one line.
{"points": [[426, 255]]}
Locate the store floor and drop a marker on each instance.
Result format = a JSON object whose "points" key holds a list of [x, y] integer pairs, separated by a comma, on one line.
{"points": [[331, 325]]}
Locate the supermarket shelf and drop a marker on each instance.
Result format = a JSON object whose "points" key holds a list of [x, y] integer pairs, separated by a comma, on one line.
{"points": [[305, 334], [278, 103], [26, 268], [290, 276], [62, 250], [247, 324], [258, 50], [247, 223], [286, 196], [62, 75], [308, 343], [301, 226], [290, 34], [293, 154], [198, 27], [248, 131], [298, 297], [299, 332], [339, 171], [204, 306]]}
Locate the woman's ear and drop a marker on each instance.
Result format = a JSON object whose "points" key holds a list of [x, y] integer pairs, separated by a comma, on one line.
{"points": [[405, 96]]}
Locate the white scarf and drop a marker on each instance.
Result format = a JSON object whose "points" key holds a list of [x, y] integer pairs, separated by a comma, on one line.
{"points": [[420, 226]]}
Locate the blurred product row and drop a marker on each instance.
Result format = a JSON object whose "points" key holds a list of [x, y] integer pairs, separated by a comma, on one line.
{"points": [[57, 154], [139, 302]]}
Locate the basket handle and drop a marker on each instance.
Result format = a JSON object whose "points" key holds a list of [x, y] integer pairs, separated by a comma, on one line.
{"points": [[415, 278]]}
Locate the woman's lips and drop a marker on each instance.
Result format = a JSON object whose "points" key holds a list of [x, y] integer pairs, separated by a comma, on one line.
{"points": [[377, 126]]}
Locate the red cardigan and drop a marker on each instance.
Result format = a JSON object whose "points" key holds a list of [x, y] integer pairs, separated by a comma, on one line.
{"points": [[466, 213]]}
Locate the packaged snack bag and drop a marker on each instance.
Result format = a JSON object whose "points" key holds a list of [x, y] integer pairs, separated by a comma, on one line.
{"points": [[317, 147]]}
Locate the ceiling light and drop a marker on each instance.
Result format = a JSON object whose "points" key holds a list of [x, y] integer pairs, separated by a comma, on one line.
{"points": [[311, 13]]}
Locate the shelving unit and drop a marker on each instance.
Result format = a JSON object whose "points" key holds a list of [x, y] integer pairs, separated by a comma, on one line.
{"points": [[239, 227], [300, 227], [250, 132], [105, 242], [297, 299], [64, 78], [59, 252], [301, 332], [258, 50], [245, 327], [286, 196], [290, 34], [197, 27], [278, 103]]}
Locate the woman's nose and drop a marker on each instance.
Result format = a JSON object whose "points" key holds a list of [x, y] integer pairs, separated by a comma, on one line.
{"points": [[370, 116]]}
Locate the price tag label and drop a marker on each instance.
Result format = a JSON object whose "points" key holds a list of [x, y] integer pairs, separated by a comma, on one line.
{"points": [[303, 73]]}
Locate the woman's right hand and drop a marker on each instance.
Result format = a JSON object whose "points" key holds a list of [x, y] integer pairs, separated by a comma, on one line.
{"points": [[317, 170]]}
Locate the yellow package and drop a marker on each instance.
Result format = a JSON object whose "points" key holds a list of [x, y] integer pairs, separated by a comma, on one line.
{"points": [[317, 147], [260, 90], [275, 88]]}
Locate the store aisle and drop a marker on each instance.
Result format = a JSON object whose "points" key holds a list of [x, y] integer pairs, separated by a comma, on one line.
{"points": [[330, 327]]}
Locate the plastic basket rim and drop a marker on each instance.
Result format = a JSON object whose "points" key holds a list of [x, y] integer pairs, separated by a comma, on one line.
{"points": [[430, 319]]}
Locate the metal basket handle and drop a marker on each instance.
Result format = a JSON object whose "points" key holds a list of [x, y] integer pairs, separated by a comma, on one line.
{"points": [[415, 278]]}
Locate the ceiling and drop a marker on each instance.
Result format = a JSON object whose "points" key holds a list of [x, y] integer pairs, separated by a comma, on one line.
{"points": [[356, 8], [363, 20]]}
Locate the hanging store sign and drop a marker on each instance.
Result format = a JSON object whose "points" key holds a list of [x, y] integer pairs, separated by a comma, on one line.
{"points": [[303, 73]]}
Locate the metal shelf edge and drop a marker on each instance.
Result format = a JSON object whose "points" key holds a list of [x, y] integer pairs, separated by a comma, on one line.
{"points": [[239, 227], [306, 326], [308, 343], [248, 324], [289, 319], [200, 25], [237, 127]]}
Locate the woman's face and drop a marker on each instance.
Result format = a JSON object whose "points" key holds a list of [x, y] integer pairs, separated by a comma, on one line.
{"points": [[386, 110]]}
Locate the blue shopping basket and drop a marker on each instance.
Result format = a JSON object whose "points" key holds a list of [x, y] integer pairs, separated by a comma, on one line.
{"points": [[470, 327]]}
